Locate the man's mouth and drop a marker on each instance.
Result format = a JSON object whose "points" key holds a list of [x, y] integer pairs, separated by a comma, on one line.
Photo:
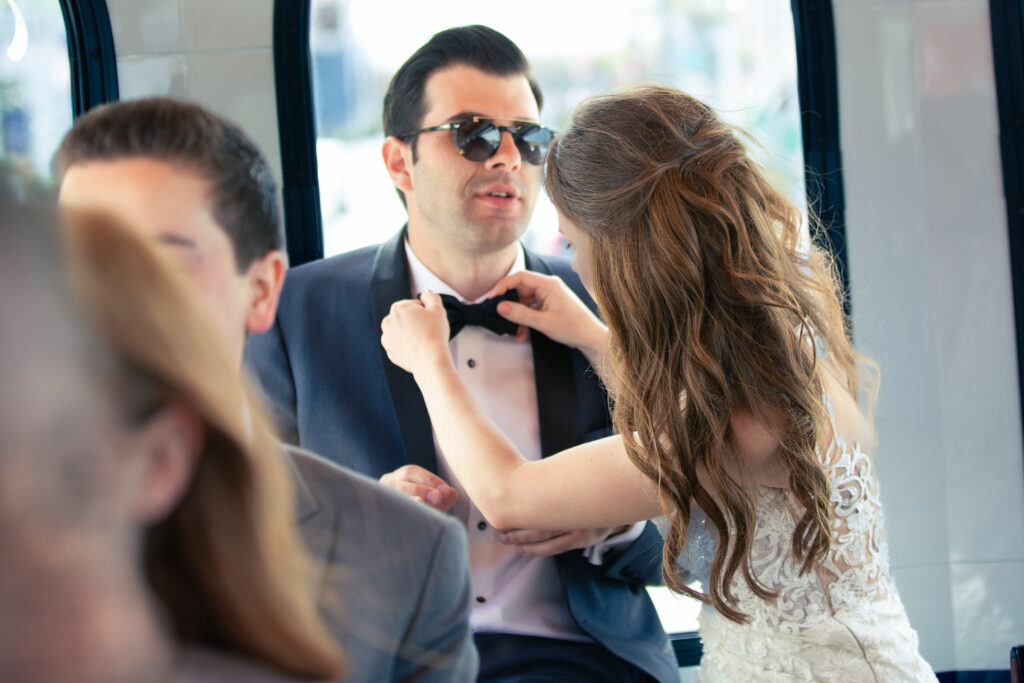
{"points": [[500, 197], [499, 200]]}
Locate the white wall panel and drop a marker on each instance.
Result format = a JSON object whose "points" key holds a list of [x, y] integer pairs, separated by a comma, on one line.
{"points": [[932, 303], [227, 24], [887, 233], [239, 85], [970, 283], [989, 609], [926, 594], [216, 52], [145, 27], [155, 75]]}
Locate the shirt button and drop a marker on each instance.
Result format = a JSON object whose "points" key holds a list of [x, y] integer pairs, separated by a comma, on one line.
{"points": [[471, 363], [481, 599], [481, 526]]}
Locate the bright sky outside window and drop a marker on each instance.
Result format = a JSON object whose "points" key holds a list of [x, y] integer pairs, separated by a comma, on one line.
{"points": [[35, 83], [736, 55]]}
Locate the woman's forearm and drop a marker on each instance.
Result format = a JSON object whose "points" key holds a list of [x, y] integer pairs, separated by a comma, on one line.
{"points": [[589, 486], [482, 457], [593, 344]]}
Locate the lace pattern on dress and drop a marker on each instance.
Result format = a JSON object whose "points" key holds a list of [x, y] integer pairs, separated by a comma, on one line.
{"points": [[855, 572], [841, 621]]}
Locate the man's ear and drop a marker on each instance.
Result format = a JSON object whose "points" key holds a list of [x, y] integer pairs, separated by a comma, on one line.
{"points": [[169, 444], [398, 160], [265, 277]]}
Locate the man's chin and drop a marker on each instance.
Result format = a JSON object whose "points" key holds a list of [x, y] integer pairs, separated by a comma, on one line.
{"points": [[490, 236]]}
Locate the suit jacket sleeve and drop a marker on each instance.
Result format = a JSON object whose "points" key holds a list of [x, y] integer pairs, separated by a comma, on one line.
{"points": [[438, 646], [266, 357], [640, 563]]}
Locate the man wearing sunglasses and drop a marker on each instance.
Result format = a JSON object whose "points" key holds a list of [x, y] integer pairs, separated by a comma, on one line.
{"points": [[464, 148]]}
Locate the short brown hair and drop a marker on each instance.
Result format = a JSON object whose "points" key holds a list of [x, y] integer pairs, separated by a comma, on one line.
{"points": [[243, 194], [477, 46]]}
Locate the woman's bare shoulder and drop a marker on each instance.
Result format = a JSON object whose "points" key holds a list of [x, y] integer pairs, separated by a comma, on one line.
{"points": [[755, 451], [847, 418]]}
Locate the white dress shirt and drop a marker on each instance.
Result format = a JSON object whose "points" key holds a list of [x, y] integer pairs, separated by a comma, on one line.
{"points": [[511, 594]]}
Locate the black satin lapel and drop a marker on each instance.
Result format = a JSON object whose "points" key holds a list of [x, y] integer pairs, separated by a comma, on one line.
{"points": [[389, 283], [556, 390]]}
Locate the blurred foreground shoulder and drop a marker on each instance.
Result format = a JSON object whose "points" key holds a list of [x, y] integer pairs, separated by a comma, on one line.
{"points": [[394, 572], [205, 665]]}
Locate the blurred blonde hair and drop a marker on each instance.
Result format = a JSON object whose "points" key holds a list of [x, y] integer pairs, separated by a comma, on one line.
{"points": [[227, 564]]}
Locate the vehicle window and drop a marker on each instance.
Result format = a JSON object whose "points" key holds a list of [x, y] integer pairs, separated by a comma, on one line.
{"points": [[739, 56], [35, 83]]}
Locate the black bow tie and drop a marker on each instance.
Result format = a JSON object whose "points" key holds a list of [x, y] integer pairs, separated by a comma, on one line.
{"points": [[484, 313]]}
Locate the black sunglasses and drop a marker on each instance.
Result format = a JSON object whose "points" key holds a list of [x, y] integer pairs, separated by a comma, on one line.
{"points": [[479, 138]]}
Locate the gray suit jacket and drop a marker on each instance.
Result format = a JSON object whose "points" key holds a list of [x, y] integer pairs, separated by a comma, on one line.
{"points": [[394, 580]]}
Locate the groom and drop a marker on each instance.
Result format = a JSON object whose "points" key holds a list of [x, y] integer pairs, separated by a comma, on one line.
{"points": [[463, 152]]}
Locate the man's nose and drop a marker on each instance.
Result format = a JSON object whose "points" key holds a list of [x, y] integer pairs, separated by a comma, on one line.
{"points": [[507, 155]]}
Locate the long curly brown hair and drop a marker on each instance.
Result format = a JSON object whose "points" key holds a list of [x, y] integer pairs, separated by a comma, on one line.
{"points": [[714, 305]]}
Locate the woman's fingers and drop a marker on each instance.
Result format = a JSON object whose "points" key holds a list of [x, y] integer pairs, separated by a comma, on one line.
{"points": [[527, 282], [504, 284], [519, 313], [415, 333], [431, 300], [399, 308]]}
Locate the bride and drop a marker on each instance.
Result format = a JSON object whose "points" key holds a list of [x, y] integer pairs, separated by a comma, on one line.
{"points": [[735, 396]]}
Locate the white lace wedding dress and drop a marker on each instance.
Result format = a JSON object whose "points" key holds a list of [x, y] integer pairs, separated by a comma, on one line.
{"points": [[844, 622]]}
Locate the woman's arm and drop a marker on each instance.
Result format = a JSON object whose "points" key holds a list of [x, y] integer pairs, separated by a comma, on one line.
{"points": [[592, 485]]}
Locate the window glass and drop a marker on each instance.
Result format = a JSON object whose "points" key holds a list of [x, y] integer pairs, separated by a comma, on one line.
{"points": [[738, 56], [35, 83]]}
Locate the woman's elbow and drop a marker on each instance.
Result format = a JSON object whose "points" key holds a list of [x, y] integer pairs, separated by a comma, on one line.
{"points": [[499, 509], [506, 498]]}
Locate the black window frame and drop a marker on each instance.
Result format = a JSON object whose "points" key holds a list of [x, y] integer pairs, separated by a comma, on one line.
{"points": [[296, 119], [817, 83], [818, 87], [1006, 21], [91, 54]]}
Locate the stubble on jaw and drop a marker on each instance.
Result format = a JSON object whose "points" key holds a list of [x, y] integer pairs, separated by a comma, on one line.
{"points": [[468, 236], [492, 234]]}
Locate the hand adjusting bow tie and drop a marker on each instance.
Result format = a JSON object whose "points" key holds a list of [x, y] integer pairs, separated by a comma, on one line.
{"points": [[484, 313]]}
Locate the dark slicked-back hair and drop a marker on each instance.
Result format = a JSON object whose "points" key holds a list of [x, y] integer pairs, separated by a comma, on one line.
{"points": [[477, 46], [243, 195]]}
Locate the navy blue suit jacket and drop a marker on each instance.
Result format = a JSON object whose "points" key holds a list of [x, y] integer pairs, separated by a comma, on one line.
{"points": [[334, 391]]}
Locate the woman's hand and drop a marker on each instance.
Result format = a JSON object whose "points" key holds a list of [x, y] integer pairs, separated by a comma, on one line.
{"points": [[415, 334], [548, 305]]}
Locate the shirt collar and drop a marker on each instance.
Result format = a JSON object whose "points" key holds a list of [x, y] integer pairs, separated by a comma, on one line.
{"points": [[422, 278]]}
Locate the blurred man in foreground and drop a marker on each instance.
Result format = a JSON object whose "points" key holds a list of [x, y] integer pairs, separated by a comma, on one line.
{"points": [[396, 589]]}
